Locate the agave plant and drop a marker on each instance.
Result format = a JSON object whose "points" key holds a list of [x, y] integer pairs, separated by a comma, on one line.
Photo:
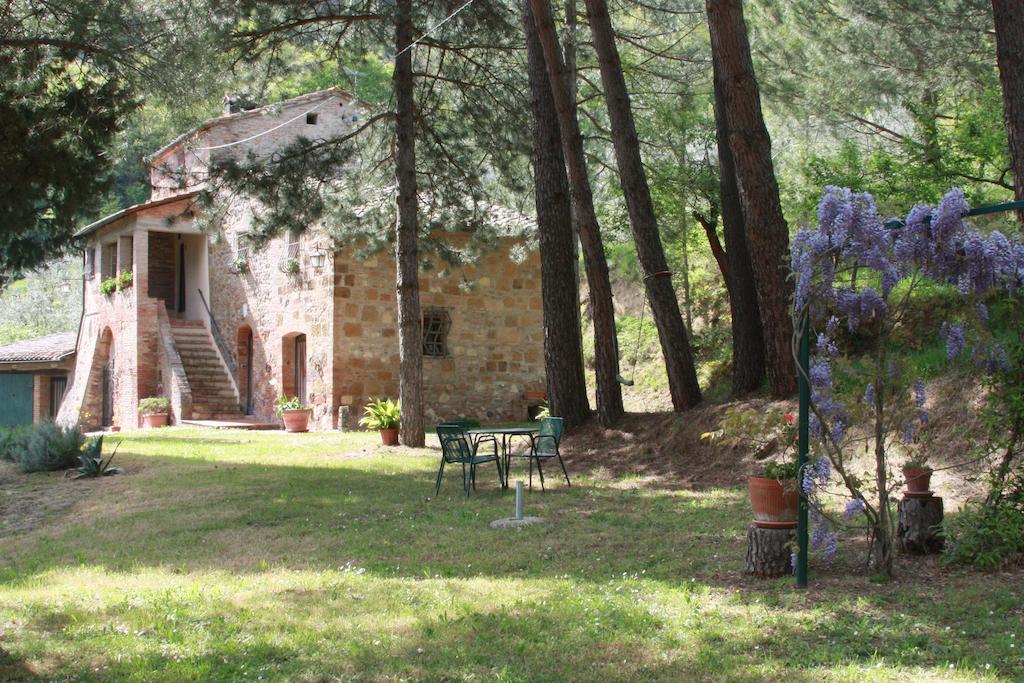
{"points": [[93, 464]]}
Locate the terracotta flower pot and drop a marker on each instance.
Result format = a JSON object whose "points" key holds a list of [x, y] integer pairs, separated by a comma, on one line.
{"points": [[774, 502], [154, 420], [296, 420], [389, 436], [919, 479]]}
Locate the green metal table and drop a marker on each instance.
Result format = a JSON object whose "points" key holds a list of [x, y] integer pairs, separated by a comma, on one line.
{"points": [[506, 434]]}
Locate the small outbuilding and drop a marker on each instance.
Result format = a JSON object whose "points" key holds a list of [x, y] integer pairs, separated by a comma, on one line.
{"points": [[33, 378]]}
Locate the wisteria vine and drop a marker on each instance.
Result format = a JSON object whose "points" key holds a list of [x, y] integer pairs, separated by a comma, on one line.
{"points": [[854, 275]]}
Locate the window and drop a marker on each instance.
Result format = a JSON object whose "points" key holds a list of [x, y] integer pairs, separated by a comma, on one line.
{"points": [[108, 260], [436, 325], [57, 387], [242, 247], [293, 244], [311, 119]]}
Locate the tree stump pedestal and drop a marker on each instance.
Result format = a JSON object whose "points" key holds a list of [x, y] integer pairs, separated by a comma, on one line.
{"points": [[920, 519], [769, 552]]}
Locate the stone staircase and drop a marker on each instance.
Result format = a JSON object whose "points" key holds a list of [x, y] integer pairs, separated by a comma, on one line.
{"points": [[213, 395]]}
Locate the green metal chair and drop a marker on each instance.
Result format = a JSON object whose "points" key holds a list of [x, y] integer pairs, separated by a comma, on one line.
{"points": [[545, 447], [468, 423], [456, 448]]}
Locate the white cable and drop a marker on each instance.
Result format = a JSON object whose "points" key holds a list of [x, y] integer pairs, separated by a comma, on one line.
{"points": [[434, 28], [269, 130], [306, 113]]}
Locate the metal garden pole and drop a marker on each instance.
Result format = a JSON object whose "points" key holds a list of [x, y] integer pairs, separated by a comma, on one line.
{"points": [[803, 448]]}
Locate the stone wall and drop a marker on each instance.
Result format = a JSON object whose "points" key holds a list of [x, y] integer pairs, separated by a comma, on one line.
{"points": [[276, 305], [184, 167], [495, 339]]}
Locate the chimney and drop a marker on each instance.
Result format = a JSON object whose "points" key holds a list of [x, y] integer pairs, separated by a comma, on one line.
{"points": [[236, 102]]}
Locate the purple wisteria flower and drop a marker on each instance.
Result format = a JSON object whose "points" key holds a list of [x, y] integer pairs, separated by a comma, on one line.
{"points": [[907, 435], [869, 394], [919, 393], [982, 311], [956, 339], [820, 373], [853, 508]]}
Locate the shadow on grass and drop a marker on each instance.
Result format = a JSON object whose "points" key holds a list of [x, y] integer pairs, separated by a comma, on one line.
{"points": [[622, 591]]}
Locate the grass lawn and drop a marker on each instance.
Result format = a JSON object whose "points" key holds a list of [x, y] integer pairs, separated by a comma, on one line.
{"points": [[226, 556]]}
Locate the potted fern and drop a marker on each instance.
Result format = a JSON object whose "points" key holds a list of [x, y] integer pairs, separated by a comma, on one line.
{"points": [[383, 415], [294, 412], [154, 411]]}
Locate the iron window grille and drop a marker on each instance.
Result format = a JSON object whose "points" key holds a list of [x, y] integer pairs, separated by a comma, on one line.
{"points": [[436, 326]]}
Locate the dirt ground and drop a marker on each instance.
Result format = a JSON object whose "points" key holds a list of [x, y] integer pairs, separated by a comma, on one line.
{"points": [[665, 449]]}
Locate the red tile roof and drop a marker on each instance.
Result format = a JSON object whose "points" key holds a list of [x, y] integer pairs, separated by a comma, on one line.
{"points": [[52, 347]]}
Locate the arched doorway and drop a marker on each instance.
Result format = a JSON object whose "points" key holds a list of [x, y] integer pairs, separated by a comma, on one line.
{"points": [[244, 352], [108, 377]]}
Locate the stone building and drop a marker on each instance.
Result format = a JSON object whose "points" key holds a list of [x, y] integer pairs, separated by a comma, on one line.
{"points": [[222, 330], [33, 377]]}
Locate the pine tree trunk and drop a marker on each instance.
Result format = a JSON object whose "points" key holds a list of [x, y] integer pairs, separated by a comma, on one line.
{"points": [[1009, 23], [767, 234], [769, 552], [410, 321], [675, 344], [563, 340], [747, 333], [606, 356]]}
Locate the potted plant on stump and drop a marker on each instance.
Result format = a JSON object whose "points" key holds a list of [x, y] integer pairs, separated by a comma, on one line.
{"points": [[294, 412], [383, 415], [774, 497], [918, 476], [154, 411]]}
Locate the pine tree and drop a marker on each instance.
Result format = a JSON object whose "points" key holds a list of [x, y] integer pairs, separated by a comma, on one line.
{"points": [[1009, 21], [606, 357], [675, 345], [767, 233], [563, 343]]}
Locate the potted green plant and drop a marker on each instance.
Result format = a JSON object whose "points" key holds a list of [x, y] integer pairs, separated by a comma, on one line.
{"points": [[240, 265], [124, 280], [108, 286], [383, 415], [154, 411], [291, 265], [294, 412], [918, 475], [774, 497]]}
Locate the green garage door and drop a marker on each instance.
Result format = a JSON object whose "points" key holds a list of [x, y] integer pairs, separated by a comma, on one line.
{"points": [[15, 400]]}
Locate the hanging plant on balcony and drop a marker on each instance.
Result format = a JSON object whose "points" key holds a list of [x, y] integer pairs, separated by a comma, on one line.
{"points": [[291, 265], [239, 265], [124, 280], [108, 286]]}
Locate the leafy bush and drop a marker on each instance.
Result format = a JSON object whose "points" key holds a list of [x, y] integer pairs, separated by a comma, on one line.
{"points": [[284, 403], [154, 405], [382, 413], [49, 447], [13, 441], [987, 535]]}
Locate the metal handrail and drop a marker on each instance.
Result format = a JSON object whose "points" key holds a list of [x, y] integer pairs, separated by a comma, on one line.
{"points": [[218, 338]]}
